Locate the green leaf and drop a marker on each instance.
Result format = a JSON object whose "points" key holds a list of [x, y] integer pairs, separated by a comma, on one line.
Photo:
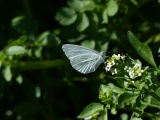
{"points": [[126, 97], [117, 90], [139, 84], [82, 22], [38, 92], [105, 16], [7, 73], [89, 44], [112, 7], [2, 57], [66, 16], [47, 39], [81, 5], [19, 79], [75, 4], [15, 50], [113, 111], [24, 25], [90, 110], [124, 116], [104, 115], [20, 41], [136, 118], [142, 49]]}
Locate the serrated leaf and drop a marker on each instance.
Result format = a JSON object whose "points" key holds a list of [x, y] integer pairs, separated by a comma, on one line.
{"points": [[82, 22], [112, 8], [66, 16], [15, 50], [90, 110], [143, 50]]}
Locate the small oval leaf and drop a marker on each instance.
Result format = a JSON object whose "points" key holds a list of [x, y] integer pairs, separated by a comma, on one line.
{"points": [[66, 16], [90, 110], [15, 50], [112, 8], [82, 22], [7, 73], [89, 43]]}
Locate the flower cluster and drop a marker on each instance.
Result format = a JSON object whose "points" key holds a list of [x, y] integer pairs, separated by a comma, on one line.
{"points": [[114, 60], [134, 71], [129, 67]]}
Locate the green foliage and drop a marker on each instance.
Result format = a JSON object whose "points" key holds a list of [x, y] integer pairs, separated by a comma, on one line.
{"points": [[142, 49], [138, 85], [38, 83]]}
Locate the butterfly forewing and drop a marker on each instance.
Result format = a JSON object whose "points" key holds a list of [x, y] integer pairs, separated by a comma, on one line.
{"points": [[83, 59]]}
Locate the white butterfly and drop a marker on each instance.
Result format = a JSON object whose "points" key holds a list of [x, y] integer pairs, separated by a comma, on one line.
{"points": [[84, 60]]}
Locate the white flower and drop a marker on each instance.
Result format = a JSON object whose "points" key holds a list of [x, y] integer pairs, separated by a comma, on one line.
{"points": [[126, 68], [108, 67], [117, 57], [131, 74], [114, 71], [123, 57]]}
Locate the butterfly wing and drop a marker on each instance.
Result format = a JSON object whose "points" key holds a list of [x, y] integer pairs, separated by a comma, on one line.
{"points": [[83, 59]]}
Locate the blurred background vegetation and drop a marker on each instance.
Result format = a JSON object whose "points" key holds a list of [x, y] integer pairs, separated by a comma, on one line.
{"points": [[37, 82]]}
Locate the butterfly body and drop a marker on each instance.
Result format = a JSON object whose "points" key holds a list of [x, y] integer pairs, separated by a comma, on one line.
{"points": [[84, 60]]}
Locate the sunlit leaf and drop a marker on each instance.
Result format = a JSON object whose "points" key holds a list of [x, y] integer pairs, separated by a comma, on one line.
{"points": [[89, 43], [105, 16], [15, 50], [112, 7], [38, 92], [90, 110], [81, 5], [113, 111], [66, 16], [82, 22], [19, 79], [7, 73], [124, 116]]}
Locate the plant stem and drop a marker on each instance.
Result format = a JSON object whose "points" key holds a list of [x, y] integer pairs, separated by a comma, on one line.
{"points": [[32, 65]]}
